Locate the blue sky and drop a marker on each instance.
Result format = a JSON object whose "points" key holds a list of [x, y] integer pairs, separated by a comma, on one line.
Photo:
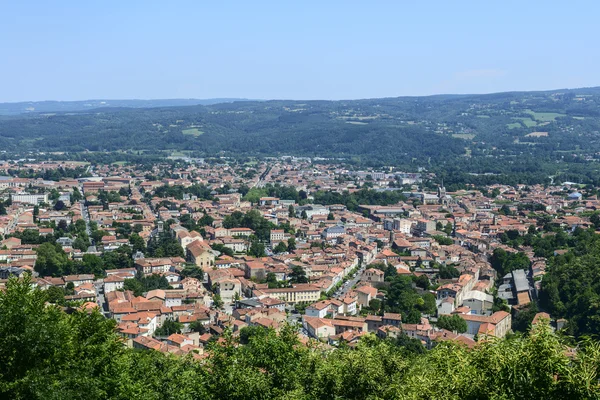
{"points": [[75, 50]]}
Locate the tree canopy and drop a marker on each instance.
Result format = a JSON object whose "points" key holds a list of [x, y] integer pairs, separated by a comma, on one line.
{"points": [[47, 353]]}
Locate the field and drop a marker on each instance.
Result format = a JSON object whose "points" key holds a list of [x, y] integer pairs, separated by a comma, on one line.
{"points": [[356, 123], [466, 136], [544, 117], [514, 125], [192, 131], [537, 134], [120, 163], [527, 121]]}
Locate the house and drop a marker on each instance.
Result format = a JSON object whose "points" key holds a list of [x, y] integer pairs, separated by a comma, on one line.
{"points": [[479, 302], [498, 324], [365, 294], [373, 275], [256, 270], [392, 319], [179, 340], [228, 288], [343, 325], [319, 328], [324, 308], [268, 201], [114, 282], [159, 266], [200, 254], [277, 235], [78, 280]]}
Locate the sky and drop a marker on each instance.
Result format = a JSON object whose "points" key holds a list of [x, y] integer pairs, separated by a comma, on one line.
{"points": [[327, 49]]}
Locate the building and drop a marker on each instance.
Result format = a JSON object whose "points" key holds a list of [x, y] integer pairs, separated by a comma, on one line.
{"points": [[113, 283], [27, 198], [498, 324], [200, 254], [373, 275], [311, 210], [333, 232], [302, 293], [277, 235]]}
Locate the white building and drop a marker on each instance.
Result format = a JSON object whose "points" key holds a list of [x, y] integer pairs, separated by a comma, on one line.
{"points": [[30, 198]]}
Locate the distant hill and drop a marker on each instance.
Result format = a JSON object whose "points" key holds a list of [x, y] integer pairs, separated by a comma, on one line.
{"points": [[69, 106], [531, 136]]}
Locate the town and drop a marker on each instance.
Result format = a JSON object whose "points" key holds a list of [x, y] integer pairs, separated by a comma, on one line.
{"points": [[184, 252]]}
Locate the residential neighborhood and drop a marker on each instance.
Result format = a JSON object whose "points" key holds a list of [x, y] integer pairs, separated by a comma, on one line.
{"points": [[179, 253]]}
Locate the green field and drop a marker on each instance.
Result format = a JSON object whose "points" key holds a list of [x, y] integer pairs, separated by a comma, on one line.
{"points": [[120, 163], [527, 121], [192, 131], [466, 136], [544, 117], [514, 125]]}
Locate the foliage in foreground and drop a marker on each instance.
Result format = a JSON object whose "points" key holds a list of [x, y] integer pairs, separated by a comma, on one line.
{"points": [[49, 354]]}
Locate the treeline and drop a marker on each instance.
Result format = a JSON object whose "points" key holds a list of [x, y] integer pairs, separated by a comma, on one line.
{"points": [[177, 191], [361, 197], [571, 285], [47, 353], [55, 174]]}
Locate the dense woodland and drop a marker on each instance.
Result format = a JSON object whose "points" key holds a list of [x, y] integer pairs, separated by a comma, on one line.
{"points": [[517, 137], [48, 353]]}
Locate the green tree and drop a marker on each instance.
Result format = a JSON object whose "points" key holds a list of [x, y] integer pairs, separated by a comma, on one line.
{"points": [[169, 327], [193, 271], [55, 295], [198, 326], [257, 249], [521, 322], [217, 301], [92, 264], [76, 195], [280, 248], [134, 285], [298, 275], [137, 243], [291, 244], [51, 260], [452, 323]]}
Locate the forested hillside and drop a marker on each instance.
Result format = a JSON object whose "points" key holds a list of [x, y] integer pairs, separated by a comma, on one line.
{"points": [[47, 353], [531, 136]]}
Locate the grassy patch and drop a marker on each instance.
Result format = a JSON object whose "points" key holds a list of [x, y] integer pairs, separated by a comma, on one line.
{"points": [[514, 125], [120, 163], [537, 134], [192, 131], [356, 123], [544, 117], [527, 121], [466, 136]]}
